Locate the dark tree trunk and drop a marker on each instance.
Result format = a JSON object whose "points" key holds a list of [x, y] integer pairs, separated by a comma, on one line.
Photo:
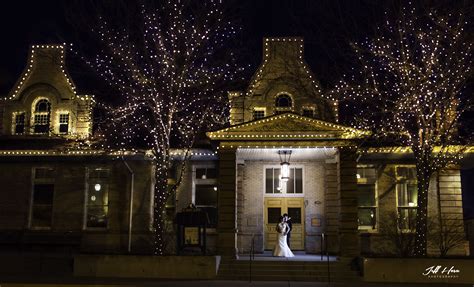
{"points": [[423, 175], [160, 198]]}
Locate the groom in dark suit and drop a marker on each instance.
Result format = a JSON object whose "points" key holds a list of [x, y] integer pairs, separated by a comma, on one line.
{"points": [[290, 225]]}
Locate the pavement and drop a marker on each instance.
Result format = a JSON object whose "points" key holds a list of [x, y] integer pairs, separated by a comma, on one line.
{"points": [[213, 283]]}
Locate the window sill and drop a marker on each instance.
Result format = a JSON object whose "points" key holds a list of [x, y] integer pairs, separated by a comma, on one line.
{"points": [[368, 231], [37, 228], [95, 229]]}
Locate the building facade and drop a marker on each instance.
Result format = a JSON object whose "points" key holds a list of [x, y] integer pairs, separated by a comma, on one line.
{"points": [[283, 152]]}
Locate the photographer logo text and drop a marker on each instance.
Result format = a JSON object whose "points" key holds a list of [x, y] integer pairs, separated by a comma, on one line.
{"points": [[439, 271]]}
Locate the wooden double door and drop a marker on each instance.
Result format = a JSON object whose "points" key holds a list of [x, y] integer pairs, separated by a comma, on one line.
{"points": [[276, 207]]}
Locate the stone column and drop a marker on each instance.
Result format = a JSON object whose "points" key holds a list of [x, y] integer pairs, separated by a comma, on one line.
{"points": [[348, 228], [226, 202]]}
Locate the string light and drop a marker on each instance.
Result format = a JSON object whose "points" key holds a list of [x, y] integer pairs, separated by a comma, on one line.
{"points": [[245, 131], [87, 102], [409, 91], [170, 76]]}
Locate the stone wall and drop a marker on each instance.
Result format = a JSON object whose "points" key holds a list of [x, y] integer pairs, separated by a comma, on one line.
{"points": [[283, 71], [378, 241], [45, 77], [70, 183], [226, 199], [332, 206], [250, 203]]}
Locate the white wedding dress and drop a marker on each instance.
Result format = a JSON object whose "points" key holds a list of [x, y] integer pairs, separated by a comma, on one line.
{"points": [[281, 248]]}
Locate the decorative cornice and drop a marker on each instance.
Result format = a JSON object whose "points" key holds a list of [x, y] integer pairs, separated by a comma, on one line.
{"points": [[288, 126]]}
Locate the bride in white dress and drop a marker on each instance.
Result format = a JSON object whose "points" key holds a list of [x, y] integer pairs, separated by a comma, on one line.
{"points": [[281, 248]]}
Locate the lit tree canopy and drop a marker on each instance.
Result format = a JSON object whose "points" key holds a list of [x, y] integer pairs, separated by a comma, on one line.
{"points": [[170, 69], [409, 90]]}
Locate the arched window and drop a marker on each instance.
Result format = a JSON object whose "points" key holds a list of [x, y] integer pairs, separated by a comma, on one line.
{"points": [[42, 115], [283, 101]]}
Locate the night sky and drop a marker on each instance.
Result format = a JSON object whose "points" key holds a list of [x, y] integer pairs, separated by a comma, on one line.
{"points": [[328, 26]]}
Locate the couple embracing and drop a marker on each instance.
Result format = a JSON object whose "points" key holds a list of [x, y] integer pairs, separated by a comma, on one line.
{"points": [[283, 228]]}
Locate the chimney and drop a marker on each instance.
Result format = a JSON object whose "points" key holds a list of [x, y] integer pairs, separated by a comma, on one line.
{"points": [[288, 49]]}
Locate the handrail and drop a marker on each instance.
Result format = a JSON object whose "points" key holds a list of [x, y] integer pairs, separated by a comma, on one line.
{"points": [[322, 246], [251, 257], [324, 249], [327, 257]]}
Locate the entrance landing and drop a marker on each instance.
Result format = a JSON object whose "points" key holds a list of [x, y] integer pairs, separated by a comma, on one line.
{"points": [[299, 256]]}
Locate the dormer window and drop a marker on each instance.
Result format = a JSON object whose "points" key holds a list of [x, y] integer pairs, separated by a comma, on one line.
{"points": [[258, 113], [41, 118], [283, 101], [19, 128], [308, 112]]}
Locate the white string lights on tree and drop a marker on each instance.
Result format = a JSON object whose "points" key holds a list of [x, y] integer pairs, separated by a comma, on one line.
{"points": [[409, 89], [170, 72]]}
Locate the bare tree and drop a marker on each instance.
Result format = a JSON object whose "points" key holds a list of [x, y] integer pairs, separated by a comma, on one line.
{"points": [[409, 91], [392, 229], [445, 233], [167, 66]]}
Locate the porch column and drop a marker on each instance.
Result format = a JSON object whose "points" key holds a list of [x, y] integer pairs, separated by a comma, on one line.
{"points": [[348, 228], [226, 201]]}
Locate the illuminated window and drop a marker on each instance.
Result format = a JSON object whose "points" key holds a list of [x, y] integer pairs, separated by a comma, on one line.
{"points": [[42, 198], [205, 192], [63, 123], [42, 117], [20, 123], [283, 101], [258, 113], [97, 207], [366, 197], [407, 196], [273, 184]]}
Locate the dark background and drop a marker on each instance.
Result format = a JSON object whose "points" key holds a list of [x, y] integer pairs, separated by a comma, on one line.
{"points": [[327, 26]]}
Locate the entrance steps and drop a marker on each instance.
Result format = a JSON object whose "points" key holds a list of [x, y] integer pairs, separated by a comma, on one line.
{"points": [[288, 270]]}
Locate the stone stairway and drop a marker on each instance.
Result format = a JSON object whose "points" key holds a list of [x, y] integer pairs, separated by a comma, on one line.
{"points": [[317, 271]]}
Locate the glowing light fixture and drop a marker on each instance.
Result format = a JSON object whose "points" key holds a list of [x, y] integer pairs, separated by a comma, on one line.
{"points": [[97, 187], [285, 164]]}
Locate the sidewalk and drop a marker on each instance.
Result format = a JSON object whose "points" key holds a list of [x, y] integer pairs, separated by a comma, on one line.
{"points": [[153, 283]]}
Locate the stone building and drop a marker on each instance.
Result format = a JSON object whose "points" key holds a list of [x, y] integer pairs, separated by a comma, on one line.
{"points": [[353, 194], [55, 191]]}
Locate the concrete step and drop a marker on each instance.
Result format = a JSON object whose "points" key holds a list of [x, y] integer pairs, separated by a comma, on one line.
{"points": [[286, 277], [339, 271]]}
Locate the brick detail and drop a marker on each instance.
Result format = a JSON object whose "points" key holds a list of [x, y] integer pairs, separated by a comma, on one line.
{"points": [[226, 200], [332, 206], [348, 233]]}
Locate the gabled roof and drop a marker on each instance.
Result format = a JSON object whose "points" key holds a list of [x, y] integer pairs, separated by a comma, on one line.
{"points": [[288, 126], [46, 65]]}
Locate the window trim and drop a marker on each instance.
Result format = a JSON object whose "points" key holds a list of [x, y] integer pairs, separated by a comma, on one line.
{"points": [[207, 181], [397, 190], [59, 114], [196, 181], [34, 113], [13, 126], [32, 193], [86, 199], [259, 109], [309, 108], [376, 206], [283, 109], [302, 194]]}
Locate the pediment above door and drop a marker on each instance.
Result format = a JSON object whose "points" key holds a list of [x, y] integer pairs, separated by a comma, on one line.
{"points": [[288, 126]]}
